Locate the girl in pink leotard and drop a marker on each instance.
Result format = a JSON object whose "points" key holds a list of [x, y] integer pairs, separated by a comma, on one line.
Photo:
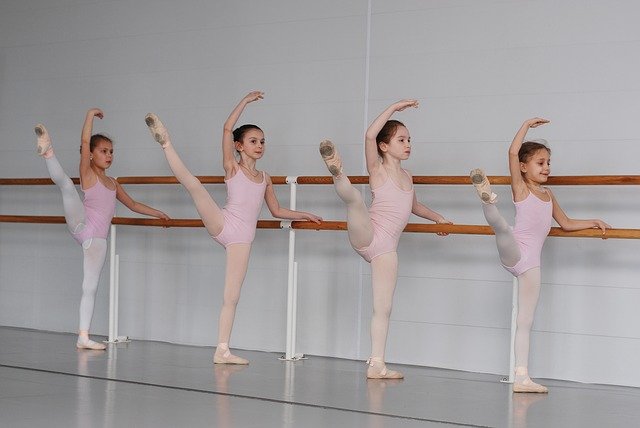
{"points": [[519, 247], [89, 219], [234, 225], [374, 232]]}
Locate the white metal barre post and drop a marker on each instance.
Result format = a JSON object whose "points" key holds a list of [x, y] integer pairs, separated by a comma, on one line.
{"points": [[116, 297], [114, 290], [514, 321], [292, 285], [113, 334]]}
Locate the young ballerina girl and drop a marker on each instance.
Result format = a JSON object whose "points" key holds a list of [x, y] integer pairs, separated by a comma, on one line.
{"points": [[519, 248], [374, 232], [88, 220], [233, 226]]}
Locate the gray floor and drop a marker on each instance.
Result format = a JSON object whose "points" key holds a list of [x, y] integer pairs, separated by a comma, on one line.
{"points": [[44, 381]]}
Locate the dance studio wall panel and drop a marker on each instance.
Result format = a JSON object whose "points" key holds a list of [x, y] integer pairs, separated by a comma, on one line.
{"points": [[479, 69]]}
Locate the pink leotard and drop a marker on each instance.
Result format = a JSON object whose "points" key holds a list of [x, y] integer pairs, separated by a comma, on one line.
{"points": [[99, 208], [533, 222], [390, 210], [244, 202]]}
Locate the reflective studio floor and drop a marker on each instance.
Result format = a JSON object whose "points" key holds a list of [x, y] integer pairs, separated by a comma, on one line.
{"points": [[45, 382]]}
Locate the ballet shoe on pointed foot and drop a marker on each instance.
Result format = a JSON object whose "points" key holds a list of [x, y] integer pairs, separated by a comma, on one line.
{"points": [[530, 386], [224, 356], [90, 344], [158, 131], [331, 158], [378, 370], [483, 187], [44, 142]]}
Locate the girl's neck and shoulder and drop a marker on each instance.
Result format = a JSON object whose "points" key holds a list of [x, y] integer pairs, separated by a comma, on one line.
{"points": [[97, 176], [237, 169], [526, 189], [385, 171]]}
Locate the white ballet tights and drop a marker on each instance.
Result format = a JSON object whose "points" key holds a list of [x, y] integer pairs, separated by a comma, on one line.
{"points": [[508, 249], [359, 227], [528, 290], [528, 293], [236, 269], [71, 203], [213, 219], [384, 274], [94, 251], [209, 211], [384, 268]]}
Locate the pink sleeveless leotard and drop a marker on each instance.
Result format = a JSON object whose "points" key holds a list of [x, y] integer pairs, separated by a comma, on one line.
{"points": [[533, 223], [99, 208], [390, 210], [244, 202]]}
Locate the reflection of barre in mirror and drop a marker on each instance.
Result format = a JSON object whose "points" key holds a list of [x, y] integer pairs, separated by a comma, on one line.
{"points": [[118, 222]]}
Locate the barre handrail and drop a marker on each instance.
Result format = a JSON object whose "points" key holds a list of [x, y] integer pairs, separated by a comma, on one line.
{"points": [[560, 180], [460, 229]]}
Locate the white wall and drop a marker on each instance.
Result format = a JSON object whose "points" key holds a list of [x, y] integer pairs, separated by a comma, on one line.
{"points": [[479, 69]]}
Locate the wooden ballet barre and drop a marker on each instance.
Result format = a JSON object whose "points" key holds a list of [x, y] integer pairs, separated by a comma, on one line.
{"points": [[460, 229], [567, 180]]}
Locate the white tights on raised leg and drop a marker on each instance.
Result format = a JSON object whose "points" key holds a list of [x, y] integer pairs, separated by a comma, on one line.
{"points": [[384, 274], [236, 269], [94, 254], [94, 249], [528, 294], [359, 227], [508, 249], [74, 213], [209, 211]]}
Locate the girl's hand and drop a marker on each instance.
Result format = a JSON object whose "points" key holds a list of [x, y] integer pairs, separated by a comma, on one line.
{"points": [[443, 220], [95, 112], [253, 96], [312, 217], [163, 216], [535, 122], [403, 104], [599, 224]]}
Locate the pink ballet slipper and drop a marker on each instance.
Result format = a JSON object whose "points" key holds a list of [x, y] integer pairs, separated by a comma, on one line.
{"points": [[157, 129], [86, 343], [331, 157], [523, 383], [378, 370], [224, 356], [44, 142], [483, 187]]}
